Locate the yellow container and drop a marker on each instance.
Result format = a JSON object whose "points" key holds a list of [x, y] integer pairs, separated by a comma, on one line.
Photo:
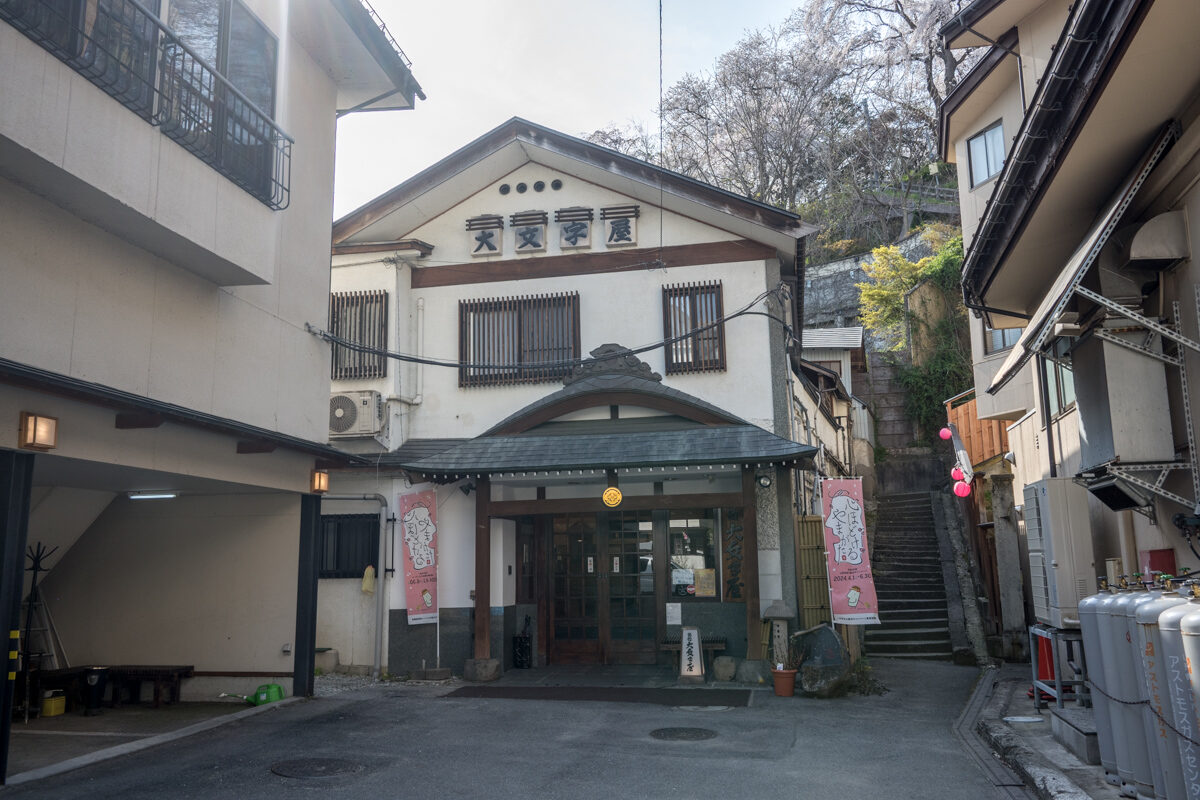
{"points": [[53, 706]]}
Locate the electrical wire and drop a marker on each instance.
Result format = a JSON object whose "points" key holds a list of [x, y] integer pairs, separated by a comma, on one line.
{"points": [[746, 310]]}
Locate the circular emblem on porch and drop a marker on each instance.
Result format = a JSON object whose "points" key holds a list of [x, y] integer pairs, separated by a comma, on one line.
{"points": [[611, 497]]}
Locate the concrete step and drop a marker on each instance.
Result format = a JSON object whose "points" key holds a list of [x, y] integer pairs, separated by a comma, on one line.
{"points": [[893, 632]]}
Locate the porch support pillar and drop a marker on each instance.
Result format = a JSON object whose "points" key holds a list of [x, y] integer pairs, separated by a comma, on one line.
{"points": [[483, 568], [307, 571], [750, 566], [16, 481], [1008, 568]]}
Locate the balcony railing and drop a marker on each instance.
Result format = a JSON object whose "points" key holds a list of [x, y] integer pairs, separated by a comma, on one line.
{"points": [[129, 53]]}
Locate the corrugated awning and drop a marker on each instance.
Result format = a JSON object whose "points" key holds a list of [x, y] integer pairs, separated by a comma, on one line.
{"points": [[1039, 331]]}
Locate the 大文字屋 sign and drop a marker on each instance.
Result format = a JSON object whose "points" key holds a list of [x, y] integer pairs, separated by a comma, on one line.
{"points": [[418, 515], [851, 585]]}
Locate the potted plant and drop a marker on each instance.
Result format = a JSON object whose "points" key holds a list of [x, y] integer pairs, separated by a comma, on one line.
{"points": [[784, 672]]}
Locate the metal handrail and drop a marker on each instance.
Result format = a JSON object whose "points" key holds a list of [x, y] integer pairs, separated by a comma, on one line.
{"points": [[130, 54]]}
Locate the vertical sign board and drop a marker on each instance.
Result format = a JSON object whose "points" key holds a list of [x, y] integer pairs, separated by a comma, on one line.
{"points": [[851, 585], [418, 515], [691, 654]]}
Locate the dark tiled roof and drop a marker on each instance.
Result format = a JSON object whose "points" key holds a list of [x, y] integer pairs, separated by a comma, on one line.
{"points": [[615, 382], [722, 444]]}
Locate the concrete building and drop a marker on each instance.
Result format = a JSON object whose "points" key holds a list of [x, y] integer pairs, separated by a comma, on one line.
{"points": [[514, 277], [1075, 138], [166, 185]]}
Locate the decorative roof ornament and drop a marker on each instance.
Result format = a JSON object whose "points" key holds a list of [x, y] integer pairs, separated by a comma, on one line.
{"points": [[612, 359]]}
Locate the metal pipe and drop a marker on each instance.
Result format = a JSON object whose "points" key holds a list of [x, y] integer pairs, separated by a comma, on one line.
{"points": [[380, 573]]}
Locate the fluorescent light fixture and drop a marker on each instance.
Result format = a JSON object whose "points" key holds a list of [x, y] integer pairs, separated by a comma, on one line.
{"points": [[37, 432], [154, 494]]}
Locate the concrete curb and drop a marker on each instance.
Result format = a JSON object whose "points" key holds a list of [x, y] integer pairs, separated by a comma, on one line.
{"points": [[1048, 782], [142, 744]]}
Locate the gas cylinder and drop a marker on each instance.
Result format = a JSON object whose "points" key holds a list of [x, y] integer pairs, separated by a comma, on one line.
{"points": [[1165, 744], [1183, 707], [1151, 785], [1093, 652], [1137, 773]]}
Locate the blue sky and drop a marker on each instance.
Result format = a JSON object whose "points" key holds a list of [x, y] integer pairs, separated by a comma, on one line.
{"points": [[574, 67]]}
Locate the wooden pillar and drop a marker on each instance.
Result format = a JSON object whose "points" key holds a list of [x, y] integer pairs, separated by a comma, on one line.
{"points": [[750, 566], [307, 572], [16, 480], [483, 568]]}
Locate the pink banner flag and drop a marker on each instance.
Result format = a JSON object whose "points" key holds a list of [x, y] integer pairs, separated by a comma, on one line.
{"points": [[418, 516], [851, 586]]}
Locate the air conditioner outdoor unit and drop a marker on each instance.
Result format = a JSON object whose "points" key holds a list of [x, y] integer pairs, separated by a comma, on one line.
{"points": [[1061, 562], [355, 414]]}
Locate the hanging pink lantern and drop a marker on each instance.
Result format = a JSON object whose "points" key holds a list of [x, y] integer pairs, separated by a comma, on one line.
{"points": [[945, 433], [962, 488], [956, 474]]}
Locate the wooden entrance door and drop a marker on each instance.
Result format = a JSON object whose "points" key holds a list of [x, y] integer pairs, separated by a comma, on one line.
{"points": [[603, 599]]}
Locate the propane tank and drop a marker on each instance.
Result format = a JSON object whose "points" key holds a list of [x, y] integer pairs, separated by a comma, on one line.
{"points": [[1110, 639], [1093, 652], [1136, 774], [1151, 784], [1183, 707], [1148, 639]]}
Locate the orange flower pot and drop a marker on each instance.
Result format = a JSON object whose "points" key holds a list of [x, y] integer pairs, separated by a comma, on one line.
{"points": [[785, 682]]}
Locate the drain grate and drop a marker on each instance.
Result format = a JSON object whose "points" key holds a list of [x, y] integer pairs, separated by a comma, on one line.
{"points": [[683, 734], [315, 767]]}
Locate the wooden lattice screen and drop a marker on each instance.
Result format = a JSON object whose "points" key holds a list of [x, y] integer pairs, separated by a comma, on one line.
{"points": [[812, 582]]}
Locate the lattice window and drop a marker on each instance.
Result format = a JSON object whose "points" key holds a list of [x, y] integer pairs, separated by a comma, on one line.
{"points": [[349, 544], [515, 340], [693, 328], [361, 318]]}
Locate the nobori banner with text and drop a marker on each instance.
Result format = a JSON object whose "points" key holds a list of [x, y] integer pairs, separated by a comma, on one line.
{"points": [[851, 585], [418, 515]]}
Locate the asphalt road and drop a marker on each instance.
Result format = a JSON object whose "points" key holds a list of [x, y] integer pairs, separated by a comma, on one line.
{"points": [[403, 742]]}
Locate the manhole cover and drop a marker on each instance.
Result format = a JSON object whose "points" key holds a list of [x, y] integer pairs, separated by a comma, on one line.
{"points": [[315, 767], [683, 734]]}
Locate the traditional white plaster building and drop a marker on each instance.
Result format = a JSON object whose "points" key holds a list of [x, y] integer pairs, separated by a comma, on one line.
{"points": [[166, 181], [510, 276], [1076, 142]]}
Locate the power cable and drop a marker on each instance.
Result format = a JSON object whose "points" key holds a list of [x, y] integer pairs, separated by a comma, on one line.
{"points": [[565, 363]]}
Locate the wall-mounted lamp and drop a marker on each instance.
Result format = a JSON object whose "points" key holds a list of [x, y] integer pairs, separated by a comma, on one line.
{"points": [[467, 488], [37, 432], [764, 481], [318, 483], [155, 494]]}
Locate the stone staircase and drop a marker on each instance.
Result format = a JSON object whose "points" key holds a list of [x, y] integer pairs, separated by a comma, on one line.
{"points": [[908, 579]]}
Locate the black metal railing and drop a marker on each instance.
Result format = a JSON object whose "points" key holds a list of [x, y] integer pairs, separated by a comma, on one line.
{"points": [[125, 50]]}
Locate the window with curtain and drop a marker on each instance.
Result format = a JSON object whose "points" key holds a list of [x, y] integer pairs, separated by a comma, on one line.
{"points": [[693, 327], [985, 151]]}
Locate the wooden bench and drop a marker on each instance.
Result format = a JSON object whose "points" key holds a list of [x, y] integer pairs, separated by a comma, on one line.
{"points": [[127, 677]]}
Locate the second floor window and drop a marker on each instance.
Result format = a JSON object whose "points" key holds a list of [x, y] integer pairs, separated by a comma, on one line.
{"points": [[361, 318], [985, 151], [693, 327], [996, 340], [1060, 380], [515, 340]]}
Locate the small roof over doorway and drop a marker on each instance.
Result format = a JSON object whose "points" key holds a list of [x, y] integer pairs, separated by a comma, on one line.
{"points": [[685, 432]]}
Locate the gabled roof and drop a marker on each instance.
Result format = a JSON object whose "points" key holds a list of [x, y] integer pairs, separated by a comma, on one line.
{"points": [[518, 141], [691, 433]]}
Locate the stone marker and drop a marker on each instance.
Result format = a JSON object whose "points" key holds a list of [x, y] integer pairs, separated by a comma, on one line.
{"points": [[826, 662]]}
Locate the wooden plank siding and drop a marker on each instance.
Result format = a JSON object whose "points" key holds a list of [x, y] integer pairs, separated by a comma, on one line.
{"points": [[983, 438]]}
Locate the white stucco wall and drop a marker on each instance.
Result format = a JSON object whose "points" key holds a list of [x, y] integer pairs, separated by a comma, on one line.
{"points": [[84, 303], [973, 199], [207, 581]]}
